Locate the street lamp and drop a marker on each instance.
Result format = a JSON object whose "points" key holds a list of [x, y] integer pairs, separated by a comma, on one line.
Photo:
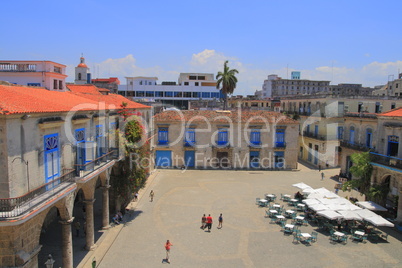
{"points": [[49, 263]]}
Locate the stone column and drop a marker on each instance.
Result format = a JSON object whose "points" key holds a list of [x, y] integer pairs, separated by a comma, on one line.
{"points": [[105, 207], [67, 243], [90, 234], [374, 179]]}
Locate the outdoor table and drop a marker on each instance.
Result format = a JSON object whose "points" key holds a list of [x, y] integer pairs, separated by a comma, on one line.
{"points": [[270, 197], [338, 235], [306, 236], [301, 206], [293, 202], [360, 233], [289, 213], [286, 197], [289, 228], [280, 217], [276, 206], [299, 219], [263, 202], [272, 212]]}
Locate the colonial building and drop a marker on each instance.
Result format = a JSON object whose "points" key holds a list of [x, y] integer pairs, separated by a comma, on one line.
{"points": [[190, 87], [358, 134], [47, 74], [322, 122], [392, 89], [387, 157], [225, 139], [57, 148]]}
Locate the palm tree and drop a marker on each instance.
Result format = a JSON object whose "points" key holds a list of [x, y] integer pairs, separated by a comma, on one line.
{"points": [[228, 81]]}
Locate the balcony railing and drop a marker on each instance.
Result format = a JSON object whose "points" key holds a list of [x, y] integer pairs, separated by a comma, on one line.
{"points": [[319, 137], [189, 143], [84, 169], [389, 161], [280, 145], [255, 144], [355, 146], [19, 67], [13, 207], [222, 143]]}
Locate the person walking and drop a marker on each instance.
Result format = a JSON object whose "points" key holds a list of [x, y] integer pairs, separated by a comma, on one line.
{"points": [[77, 226], [220, 220], [151, 195], [209, 222], [322, 175], [167, 247], [136, 196], [203, 221]]}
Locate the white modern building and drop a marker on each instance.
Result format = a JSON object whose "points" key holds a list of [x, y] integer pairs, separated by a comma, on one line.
{"points": [[190, 86], [267, 86], [275, 86], [47, 74]]}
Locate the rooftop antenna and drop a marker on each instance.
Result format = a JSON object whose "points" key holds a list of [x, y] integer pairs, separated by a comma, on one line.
{"points": [[287, 71], [332, 72]]}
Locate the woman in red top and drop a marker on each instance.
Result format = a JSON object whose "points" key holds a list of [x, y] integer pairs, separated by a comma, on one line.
{"points": [[167, 247], [209, 222]]}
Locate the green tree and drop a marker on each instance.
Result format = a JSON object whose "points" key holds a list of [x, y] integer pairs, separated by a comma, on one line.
{"points": [[361, 169], [226, 82]]}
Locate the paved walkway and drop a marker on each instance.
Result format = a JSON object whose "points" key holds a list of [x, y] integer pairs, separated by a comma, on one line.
{"points": [[247, 239]]}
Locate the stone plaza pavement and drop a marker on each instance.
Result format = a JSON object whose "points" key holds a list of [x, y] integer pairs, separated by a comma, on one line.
{"points": [[247, 239]]}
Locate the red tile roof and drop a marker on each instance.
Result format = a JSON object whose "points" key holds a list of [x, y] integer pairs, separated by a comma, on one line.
{"points": [[107, 80], [85, 89], [256, 116], [397, 112], [20, 100]]}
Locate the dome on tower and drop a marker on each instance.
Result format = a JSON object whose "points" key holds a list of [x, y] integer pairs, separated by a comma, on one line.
{"points": [[82, 63]]}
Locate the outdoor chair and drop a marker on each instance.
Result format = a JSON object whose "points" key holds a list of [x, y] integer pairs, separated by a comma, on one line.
{"points": [[344, 239], [314, 236], [384, 236], [305, 222], [257, 201], [267, 213], [273, 220], [296, 237], [364, 238]]}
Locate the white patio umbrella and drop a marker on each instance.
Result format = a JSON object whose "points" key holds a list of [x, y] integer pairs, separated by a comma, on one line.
{"points": [[350, 215], [365, 213], [311, 201], [308, 191], [371, 206], [330, 214], [301, 185], [318, 207], [379, 221]]}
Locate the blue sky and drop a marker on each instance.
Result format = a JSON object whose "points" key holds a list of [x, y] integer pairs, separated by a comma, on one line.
{"points": [[341, 41]]}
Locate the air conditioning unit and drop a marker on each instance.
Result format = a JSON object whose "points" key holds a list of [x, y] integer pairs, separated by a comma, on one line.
{"points": [[346, 108]]}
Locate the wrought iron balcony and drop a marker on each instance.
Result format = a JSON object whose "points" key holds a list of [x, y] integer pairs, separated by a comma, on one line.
{"points": [[385, 160], [82, 170], [355, 146], [189, 143], [280, 145], [319, 137], [16, 206]]}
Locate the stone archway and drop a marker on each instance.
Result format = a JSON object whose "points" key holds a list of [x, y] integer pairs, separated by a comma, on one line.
{"points": [[50, 237]]}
